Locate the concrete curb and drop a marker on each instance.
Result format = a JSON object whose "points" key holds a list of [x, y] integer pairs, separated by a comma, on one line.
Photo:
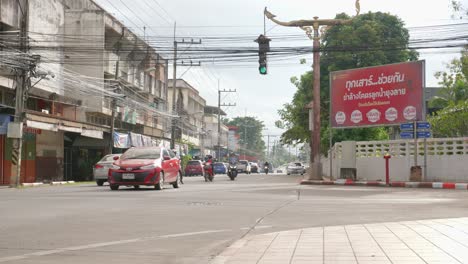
{"points": [[428, 185]]}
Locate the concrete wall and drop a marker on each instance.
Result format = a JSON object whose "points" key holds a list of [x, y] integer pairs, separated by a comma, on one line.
{"points": [[446, 160], [85, 55], [46, 26], [9, 13]]}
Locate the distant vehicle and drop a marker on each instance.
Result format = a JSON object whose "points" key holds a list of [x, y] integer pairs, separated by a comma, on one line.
{"points": [[232, 171], [254, 167], [101, 169], [148, 166], [219, 168], [295, 168], [194, 168], [243, 167]]}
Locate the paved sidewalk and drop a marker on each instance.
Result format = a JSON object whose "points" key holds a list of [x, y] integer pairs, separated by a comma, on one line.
{"points": [[430, 185], [428, 241]]}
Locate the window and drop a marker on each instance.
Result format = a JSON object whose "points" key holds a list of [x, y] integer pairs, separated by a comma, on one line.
{"points": [[142, 153], [165, 153], [172, 154]]}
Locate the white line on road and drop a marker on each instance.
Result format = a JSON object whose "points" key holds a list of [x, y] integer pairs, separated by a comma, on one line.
{"points": [[195, 233], [105, 244]]}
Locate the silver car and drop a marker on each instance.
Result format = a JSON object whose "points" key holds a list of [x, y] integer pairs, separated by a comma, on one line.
{"points": [[295, 168], [101, 169]]}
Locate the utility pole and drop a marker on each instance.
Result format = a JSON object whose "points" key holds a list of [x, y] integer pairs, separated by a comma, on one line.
{"points": [[311, 27], [114, 100], [22, 85], [268, 144], [174, 82], [219, 115]]}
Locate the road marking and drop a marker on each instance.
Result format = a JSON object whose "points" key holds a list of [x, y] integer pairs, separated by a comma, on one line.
{"points": [[105, 244], [257, 227], [195, 233]]}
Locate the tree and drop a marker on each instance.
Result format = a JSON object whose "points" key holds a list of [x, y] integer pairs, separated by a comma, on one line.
{"points": [[371, 39], [250, 133], [451, 121], [454, 83], [459, 11]]}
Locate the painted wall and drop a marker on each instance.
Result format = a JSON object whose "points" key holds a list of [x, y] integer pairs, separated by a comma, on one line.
{"points": [[446, 160]]}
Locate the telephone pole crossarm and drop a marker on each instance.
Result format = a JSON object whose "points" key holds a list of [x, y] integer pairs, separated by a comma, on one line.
{"points": [[312, 27]]}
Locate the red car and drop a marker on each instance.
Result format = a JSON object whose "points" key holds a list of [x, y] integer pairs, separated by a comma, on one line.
{"points": [[194, 167], [151, 166]]}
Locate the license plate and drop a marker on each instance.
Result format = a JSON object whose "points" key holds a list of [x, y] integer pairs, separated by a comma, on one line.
{"points": [[128, 176]]}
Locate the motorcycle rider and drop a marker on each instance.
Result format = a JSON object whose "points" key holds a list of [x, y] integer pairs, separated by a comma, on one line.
{"points": [[266, 165], [209, 165]]}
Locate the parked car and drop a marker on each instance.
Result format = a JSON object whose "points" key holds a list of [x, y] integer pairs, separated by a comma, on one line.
{"points": [[254, 167], [243, 166], [147, 166], [219, 168], [295, 168], [101, 169], [194, 168]]}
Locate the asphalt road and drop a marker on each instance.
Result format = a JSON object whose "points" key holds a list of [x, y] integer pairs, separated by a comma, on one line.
{"points": [[90, 224]]}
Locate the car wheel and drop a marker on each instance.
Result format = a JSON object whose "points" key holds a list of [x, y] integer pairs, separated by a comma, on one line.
{"points": [[114, 187], [160, 185], [176, 183], [136, 187], [100, 182]]}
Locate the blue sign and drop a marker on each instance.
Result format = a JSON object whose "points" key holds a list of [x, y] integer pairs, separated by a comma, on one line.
{"points": [[407, 126], [407, 135], [424, 134], [423, 125]]}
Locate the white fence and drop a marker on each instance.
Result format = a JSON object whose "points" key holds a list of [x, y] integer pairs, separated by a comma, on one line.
{"points": [[447, 159]]}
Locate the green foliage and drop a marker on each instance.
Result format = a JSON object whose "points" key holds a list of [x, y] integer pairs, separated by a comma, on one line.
{"points": [[184, 160], [250, 132], [451, 121], [458, 10], [454, 83], [371, 39]]}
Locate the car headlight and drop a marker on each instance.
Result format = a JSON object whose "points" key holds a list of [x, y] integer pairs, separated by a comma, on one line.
{"points": [[115, 167], [148, 167]]}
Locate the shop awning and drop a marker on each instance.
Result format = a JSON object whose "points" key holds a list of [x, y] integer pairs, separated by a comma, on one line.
{"points": [[90, 143], [41, 125], [92, 133], [70, 129]]}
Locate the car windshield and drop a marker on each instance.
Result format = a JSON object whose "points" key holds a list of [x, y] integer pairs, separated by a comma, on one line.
{"points": [[298, 164], [108, 158], [193, 163], [219, 164], [243, 162], [142, 153]]}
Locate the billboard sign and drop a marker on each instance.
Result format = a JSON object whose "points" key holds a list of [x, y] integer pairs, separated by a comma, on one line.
{"points": [[377, 96]]}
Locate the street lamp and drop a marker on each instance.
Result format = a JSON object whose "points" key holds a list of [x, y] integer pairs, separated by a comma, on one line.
{"points": [[311, 27]]}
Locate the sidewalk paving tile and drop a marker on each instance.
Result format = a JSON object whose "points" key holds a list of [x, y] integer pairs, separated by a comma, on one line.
{"points": [[410, 242]]}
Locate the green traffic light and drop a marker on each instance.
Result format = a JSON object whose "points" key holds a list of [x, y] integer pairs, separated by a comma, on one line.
{"points": [[263, 70]]}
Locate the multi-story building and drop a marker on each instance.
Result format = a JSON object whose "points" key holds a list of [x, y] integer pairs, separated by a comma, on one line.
{"points": [[190, 107], [92, 61], [213, 134]]}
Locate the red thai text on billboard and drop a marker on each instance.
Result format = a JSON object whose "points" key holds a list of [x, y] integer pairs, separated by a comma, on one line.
{"points": [[377, 96]]}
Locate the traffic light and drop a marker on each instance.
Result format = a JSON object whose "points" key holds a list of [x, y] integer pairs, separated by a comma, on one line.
{"points": [[263, 48]]}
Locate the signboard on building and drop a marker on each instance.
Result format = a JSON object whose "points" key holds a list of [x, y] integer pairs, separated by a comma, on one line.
{"points": [[377, 96]]}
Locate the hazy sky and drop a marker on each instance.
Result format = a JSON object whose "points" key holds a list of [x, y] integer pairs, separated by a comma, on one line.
{"points": [[257, 95]]}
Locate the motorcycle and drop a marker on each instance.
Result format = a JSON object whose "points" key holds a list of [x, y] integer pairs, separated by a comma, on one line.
{"points": [[209, 174], [232, 172], [266, 169]]}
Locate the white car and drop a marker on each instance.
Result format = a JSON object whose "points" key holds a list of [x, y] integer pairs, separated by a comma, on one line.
{"points": [[101, 169], [295, 168], [243, 166]]}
